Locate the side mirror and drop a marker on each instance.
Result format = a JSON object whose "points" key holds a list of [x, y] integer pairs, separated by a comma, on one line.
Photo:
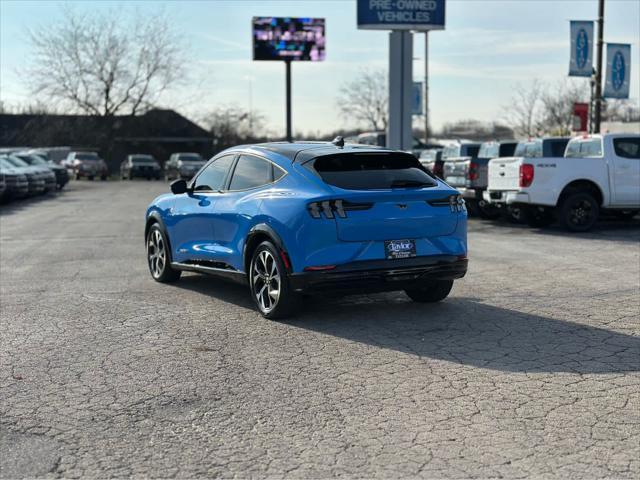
{"points": [[179, 186]]}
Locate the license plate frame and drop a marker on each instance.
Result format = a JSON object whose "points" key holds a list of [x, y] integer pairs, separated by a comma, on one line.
{"points": [[395, 249]]}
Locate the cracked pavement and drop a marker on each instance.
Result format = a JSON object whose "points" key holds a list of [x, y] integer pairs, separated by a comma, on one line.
{"points": [[531, 368]]}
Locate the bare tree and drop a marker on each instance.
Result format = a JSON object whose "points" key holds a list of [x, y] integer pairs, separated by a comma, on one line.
{"points": [[364, 99], [523, 113], [103, 64], [232, 125], [557, 105]]}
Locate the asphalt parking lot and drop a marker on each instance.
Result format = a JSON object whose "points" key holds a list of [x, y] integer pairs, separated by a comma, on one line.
{"points": [[530, 369]]}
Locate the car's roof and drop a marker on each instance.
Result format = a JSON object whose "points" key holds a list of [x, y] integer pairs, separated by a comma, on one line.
{"points": [[303, 151]]}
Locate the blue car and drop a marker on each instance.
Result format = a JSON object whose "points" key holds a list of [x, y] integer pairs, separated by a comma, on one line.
{"points": [[305, 218]]}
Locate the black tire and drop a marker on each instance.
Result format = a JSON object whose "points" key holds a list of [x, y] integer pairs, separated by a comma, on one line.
{"points": [[159, 256], [473, 209], [78, 176], [90, 177], [488, 211], [266, 274], [626, 214], [430, 292], [538, 217], [513, 214], [103, 177], [579, 212]]}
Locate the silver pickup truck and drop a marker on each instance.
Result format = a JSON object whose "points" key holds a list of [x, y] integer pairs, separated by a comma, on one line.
{"points": [[465, 168]]}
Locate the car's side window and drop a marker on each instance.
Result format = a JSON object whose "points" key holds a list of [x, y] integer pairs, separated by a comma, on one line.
{"points": [[277, 173], [250, 172], [627, 147], [212, 178]]}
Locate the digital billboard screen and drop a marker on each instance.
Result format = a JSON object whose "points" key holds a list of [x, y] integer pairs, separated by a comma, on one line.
{"points": [[283, 38]]}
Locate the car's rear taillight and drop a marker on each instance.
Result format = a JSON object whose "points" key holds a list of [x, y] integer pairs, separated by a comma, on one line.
{"points": [[437, 170], [472, 173], [526, 175], [335, 208]]}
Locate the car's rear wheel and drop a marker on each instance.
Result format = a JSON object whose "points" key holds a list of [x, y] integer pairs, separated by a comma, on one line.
{"points": [[579, 212], [270, 289], [158, 256], [433, 291]]}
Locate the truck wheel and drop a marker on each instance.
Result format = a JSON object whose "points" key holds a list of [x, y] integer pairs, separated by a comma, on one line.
{"points": [[488, 211], [431, 292], [579, 212], [538, 217], [472, 208], [513, 214]]}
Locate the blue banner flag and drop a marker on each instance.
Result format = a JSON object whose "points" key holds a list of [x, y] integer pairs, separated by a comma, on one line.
{"points": [[581, 64], [416, 99], [401, 14], [618, 70]]}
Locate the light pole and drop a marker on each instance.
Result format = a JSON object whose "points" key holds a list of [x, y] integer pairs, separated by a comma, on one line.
{"points": [[598, 99], [426, 87]]}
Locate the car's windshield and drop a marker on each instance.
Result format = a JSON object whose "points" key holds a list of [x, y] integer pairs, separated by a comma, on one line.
{"points": [[372, 171], [529, 149], [17, 162], [190, 157], [33, 160], [451, 151], [142, 159], [88, 156], [489, 150], [5, 163], [584, 148]]}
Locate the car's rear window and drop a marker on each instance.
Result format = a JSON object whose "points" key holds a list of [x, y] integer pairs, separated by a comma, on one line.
{"points": [[489, 150], [372, 171]]}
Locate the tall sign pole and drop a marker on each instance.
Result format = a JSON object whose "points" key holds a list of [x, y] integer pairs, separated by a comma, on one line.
{"points": [[288, 95], [426, 87], [598, 99]]}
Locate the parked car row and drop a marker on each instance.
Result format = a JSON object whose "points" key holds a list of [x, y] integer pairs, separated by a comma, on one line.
{"points": [[180, 165], [28, 173], [539, 181]]}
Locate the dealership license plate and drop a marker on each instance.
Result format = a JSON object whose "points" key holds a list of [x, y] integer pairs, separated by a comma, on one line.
{"points": [[399, 248]]}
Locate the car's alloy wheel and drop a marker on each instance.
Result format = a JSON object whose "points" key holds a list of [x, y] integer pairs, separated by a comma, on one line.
{"points": [[157, 254], [269, 283], [158, 257], [266, 281]]}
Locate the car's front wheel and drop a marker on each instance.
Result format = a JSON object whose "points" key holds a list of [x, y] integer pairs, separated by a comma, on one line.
{"points": [[158, 256], [269, 283], [433, 291]]}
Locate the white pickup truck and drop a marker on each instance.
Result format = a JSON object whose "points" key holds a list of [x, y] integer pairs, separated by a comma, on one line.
{"points": [[597, 172]]}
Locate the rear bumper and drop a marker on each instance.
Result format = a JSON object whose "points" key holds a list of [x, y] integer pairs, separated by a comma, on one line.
{"points": [[506, 197], [380, 275]]}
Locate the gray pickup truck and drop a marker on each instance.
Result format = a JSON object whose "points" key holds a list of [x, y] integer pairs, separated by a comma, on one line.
{"points": [[465, 169]]}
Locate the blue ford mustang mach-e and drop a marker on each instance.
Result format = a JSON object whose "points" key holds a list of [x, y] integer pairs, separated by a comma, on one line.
{"points": [[300, 218]]}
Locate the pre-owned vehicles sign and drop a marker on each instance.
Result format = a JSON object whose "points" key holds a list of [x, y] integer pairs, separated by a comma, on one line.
{"points": [[401, 14]]}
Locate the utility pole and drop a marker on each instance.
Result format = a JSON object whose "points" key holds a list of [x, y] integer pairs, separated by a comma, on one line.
{"points": [[598, 99], [288, 95], [426, 86]]}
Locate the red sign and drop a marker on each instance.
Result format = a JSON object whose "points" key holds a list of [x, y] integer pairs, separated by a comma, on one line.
{"points": [[581, 117]]}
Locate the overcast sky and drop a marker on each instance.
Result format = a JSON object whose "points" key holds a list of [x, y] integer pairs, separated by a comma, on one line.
{"points": [[487, 47]]}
